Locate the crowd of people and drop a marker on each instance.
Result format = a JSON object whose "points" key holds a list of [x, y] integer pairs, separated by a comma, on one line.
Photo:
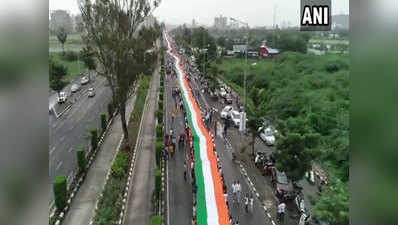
{"points": [[207, 115]]}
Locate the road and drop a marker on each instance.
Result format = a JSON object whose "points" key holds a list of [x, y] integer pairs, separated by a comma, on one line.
{"points": [[180, 194], [70, 130], [139, 204]]}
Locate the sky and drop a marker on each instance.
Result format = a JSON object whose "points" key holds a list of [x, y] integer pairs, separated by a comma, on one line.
{"points": [[254, 12]]}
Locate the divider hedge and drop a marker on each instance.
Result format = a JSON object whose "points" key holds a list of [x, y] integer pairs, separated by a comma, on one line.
{"points": [[60, 192], [81, 158], [103, 122], [94, 137]]}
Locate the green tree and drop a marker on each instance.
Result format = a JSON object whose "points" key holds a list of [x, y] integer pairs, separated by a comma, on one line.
{"points": [[57, 74], [62, 35], [254, 122], [333, 206], [221, 41], [122, 38], [87, 56], [295, 153]]}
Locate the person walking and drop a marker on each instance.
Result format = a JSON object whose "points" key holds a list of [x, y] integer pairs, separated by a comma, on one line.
{"points": [[247, 203], [239, 191], [251, 203], [234, 190], [281, 211], [185, 171]]}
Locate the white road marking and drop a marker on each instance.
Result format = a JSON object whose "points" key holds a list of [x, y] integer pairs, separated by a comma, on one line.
{"points": [[59, 165], [52, 150]]}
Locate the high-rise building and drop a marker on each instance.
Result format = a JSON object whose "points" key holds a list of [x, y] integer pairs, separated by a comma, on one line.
{"points": [[194, 24], [220, 22]]}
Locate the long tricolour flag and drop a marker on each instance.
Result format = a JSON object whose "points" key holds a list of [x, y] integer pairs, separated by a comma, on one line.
{"points": [[211, 205]]}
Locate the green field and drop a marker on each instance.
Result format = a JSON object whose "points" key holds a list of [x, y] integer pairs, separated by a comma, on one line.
{"points": [[329, 41], [73, 43], [74, 67]]}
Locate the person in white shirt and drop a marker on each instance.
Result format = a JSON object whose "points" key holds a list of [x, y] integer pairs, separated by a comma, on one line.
{"points": [[251, 203], [281, 211], [238, 191]]}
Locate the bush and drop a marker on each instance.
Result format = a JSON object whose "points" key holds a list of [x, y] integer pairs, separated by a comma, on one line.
{"points": [[159, 130], [70, 56], [94, 137], [158, 183], [160, 104], [103, 122], [157, 220], [159, 115], [159, 146], [81, 158], [119, 167], [60, 192], [110, 109]]}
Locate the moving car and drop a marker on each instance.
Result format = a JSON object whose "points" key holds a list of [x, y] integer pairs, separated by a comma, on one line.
{"points": [[235, 117], [267, 135], [84, 80], [284, 187], [91, 92], [74, 88], [62, 97], [225, 112]]}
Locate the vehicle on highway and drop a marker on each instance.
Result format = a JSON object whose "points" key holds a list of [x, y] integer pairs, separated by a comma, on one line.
{"points": [[228, 99], [225, 112], [283, 186], [84, 80], [267, 135], [222, 92], [62, 97], [74, 88], [235, 117], [91, 92]]}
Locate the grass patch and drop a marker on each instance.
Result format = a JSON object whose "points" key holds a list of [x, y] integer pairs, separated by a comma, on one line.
{"points": [[74, 67], [135, 116], [73, 42]]}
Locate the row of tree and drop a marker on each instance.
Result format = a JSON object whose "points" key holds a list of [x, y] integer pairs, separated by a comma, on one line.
{"points": [[307, 99], [122, 36]]}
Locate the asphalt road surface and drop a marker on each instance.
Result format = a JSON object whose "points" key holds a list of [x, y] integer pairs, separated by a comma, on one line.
{"points": [[180, 191], [70, 130]]}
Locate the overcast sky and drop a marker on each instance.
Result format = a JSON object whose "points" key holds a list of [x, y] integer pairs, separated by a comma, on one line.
{"points": [[254, 12]]}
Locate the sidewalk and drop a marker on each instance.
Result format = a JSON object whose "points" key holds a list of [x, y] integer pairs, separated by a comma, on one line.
{"points": [[139, 204], [83, 204]]}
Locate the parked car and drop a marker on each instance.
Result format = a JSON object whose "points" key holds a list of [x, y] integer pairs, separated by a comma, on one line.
{"points": [[228, 99], [74, 88], [62, 97], [267, 135], [235, 117], [84, 80], [283, 186], [222, 92], [225, 112], [91, 92]]}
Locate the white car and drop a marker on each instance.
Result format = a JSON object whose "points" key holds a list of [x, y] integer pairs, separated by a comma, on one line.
{"points": [[222, 92], [74, 88], [268, 135], [84, 80], [235, 117], [62, 97], [225, 112], [91, 92]]}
